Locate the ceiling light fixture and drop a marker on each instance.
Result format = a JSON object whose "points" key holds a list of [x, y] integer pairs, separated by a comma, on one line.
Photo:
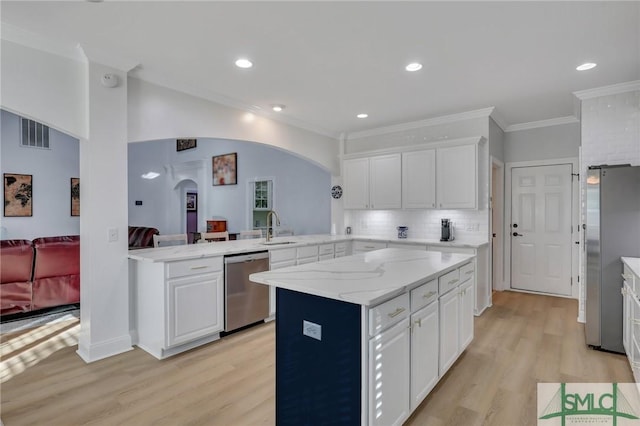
{"points": [[150, 175], [414, 66], [363, 115], [586, 66], [244, 63], [277, 108]]}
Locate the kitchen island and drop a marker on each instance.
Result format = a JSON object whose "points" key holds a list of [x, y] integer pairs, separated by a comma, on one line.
{"points": [[363, 339]]}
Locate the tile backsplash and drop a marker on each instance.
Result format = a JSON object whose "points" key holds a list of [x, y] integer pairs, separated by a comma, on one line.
{"points": [[468, 224]]}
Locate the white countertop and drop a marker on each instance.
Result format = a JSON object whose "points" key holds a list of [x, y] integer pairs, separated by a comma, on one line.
{"points": [[633, 263], [194, 251], [366, 278]]}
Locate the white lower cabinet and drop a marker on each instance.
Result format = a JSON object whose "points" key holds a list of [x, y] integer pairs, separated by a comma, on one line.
{"points": [[627, 319], [279, 259], [424, 352], [389, 376], [179, 305], [631, 317], [413, 339]]}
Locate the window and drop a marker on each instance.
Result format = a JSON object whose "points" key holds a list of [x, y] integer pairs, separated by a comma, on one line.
{"points": [[262, 195]]}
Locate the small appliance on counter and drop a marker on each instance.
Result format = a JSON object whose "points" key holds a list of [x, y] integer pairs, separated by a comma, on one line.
{"points": [[402, 231], [446, 230]]}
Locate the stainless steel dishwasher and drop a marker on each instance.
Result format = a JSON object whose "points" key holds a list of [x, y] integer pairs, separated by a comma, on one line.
{"points": [[244, 302]]}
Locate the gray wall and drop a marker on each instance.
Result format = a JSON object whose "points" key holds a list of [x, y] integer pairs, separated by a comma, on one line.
{"points": [[52, 170], [496, 140], [542, 143], [302, 189]]}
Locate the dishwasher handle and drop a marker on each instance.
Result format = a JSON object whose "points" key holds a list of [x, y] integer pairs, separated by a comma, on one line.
{"points": [[248, 257]]}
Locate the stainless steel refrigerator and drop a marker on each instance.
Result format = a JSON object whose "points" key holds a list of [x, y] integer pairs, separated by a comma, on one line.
{"points": [[613, 230]]}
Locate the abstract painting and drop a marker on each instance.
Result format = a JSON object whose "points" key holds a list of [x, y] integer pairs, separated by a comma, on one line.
{"points": [[225, 169]]}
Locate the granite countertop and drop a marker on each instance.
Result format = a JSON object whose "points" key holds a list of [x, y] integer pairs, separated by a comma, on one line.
{"points": [[367, 278], [633, 263], [195, 251]]}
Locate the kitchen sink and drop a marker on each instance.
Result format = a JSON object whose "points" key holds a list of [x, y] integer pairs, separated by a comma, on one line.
{"points": [[277, 243]]}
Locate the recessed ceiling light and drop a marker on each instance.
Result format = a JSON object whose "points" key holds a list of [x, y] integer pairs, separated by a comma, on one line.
{"points": [[414, 66], [150, 175], [363, 115], [278, 108], [244, 63], [586, 66]]}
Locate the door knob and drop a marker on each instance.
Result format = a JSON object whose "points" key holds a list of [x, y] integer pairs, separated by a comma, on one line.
{"points": [[515, 234]]}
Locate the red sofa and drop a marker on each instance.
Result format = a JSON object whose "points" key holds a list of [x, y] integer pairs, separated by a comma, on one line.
{"points": [[141, 237], [38, 274]]}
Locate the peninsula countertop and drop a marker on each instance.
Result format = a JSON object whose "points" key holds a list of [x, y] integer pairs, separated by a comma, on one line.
{"points": [[195, 251], [367, 278], [633, 263]]}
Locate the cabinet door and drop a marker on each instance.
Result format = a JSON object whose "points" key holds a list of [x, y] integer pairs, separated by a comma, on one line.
{"points": [[389, 376], [356, 183], [449, 325], [424, 353], [385, 182], [456, 169], [419, 179], [467, 302], [626, 318], [195, 308]]}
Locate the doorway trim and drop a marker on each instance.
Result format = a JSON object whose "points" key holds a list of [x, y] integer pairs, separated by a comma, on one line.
{"points": [[497, 198], [575, 218]]}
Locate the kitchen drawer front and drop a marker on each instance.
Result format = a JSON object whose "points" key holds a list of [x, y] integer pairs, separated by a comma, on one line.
{"points": [[282, 255], [424, 295], [325, 250], [204, 265], [308, 251], [325, 257], [448, 281], [362, 246], [388, 313], [466, 271], [630, 278], [306, 260], [341, 247]]}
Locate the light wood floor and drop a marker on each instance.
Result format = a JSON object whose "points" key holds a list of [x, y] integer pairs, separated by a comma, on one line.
{"points": [[523, 339]]}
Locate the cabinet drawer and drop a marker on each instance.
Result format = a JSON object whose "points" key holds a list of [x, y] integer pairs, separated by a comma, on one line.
{"points": [[424, 295], [341, 247], [630, 278], [200, 266], [282, 255], [361, 246], [448, 281], [308, 251], [325, 250], [466, 271], [388, 313]]}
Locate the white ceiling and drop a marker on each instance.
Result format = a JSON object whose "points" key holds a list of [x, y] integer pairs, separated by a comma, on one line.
{"points": [[328, 61]]}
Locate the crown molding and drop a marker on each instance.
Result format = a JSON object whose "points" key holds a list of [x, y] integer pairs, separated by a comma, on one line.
{"points": [[613, 89], [35, 41], [499, 119], [114, 61], [570, 119], [478, 113]]}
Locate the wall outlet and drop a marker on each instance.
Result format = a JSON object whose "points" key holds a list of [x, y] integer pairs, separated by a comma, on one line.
{"points": [[312, 330]]}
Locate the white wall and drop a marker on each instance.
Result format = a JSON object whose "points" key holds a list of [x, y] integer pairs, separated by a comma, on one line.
{"points": [[52, 170], [542, 143], [48, 88], [302, 189], [496, 141], [157, 112]]}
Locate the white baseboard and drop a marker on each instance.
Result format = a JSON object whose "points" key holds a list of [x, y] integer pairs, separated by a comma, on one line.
{"points": [[98, 351]]}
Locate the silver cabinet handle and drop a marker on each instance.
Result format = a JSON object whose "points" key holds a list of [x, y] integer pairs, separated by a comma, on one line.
{"points": [[396, 312], [428, 295], [199, 267], [419, 322], [469, 272], [454, 281], [627, 277]]}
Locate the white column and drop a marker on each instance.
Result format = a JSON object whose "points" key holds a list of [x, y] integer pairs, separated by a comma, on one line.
{"points": [[104, 294]]}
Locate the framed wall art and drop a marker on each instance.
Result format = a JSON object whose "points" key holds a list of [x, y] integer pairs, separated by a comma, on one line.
{"points": [[225, 169], [184, 144], [192, 202], [75, 196], [18, 195]]}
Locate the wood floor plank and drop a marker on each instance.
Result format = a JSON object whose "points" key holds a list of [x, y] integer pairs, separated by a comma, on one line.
{"points": [[520, 341]]}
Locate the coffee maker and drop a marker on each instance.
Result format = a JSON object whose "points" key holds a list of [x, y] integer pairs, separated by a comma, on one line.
{"points": [[446, 230]]}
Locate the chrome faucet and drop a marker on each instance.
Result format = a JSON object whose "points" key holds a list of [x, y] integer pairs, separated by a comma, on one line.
{"points": [[270, 227]]}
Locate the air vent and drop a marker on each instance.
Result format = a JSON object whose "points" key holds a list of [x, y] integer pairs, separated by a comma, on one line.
{"points": [[34, 134]]}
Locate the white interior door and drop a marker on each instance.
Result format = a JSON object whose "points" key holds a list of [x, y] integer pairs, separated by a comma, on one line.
{"points": [[541, 229]]}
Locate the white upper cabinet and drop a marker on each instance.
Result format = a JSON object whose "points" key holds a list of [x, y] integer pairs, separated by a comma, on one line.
{"points": [[419, 179], [385, 180], [356, 183], [373, 182], [457, 177]]}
